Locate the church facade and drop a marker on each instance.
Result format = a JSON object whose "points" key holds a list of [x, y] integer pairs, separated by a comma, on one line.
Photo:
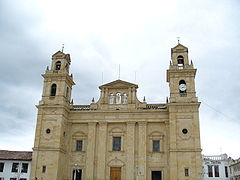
{"points": [[118, 137]]}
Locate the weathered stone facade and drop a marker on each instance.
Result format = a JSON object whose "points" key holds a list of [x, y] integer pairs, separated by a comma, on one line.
{"points": [[118, 137]]}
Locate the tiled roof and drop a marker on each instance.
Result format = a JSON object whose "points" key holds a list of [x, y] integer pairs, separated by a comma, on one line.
{"points": [[15, 155]]}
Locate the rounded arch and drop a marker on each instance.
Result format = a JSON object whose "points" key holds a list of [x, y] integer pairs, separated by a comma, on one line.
{"points": [[180, 61], [58, 65], [182, 82], [53, 90]]}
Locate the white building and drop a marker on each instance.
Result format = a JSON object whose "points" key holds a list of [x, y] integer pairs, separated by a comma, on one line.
{"points": [[15, 165], [235, 170], [216, 167]]}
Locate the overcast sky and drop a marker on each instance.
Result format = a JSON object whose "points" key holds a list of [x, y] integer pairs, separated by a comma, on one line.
{"points": [[138, 35]]}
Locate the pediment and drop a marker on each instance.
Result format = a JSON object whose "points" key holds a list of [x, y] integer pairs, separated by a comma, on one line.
{"points": [[118, 84], [58, 54], [180, 46]]}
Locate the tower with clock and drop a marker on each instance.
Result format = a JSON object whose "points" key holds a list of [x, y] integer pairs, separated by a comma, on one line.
{"points": [[184, 133]]}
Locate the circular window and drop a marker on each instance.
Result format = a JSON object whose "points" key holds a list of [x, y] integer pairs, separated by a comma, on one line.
{"points": [[184, 131], [48, 131]]}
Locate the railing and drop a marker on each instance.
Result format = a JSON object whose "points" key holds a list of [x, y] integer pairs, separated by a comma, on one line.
{"points": [[82, 108]]}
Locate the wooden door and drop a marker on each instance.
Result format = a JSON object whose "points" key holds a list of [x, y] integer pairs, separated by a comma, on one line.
{"points": [[115, 173]]}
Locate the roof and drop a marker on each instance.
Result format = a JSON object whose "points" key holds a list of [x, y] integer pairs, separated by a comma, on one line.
{"points": [[15, 155], [118, 84], [180, 46]]}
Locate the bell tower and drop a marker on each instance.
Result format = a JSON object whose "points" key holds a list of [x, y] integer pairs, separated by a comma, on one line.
{"points": [[57, 81], [184, 131], [51, 136], [181, 76]]}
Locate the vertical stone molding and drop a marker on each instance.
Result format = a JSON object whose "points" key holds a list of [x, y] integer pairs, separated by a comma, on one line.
{"points": [[142, 156], [90, 151], [130, 168], [101, 151]]}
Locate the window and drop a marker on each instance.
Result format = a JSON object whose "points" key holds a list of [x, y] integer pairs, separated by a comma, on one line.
{"points": [[124, 98], [111, 99], [79, 144], [13, 178], [118, 98], [24, 168], [43, 169], [1, 178], [23, 178], [116, 144], [186, 172], [58, 65], [226, 171], [210, 172], [216, 171], [53, 90], [1, 166], [156, 146], [15, 167], [180, 61]]}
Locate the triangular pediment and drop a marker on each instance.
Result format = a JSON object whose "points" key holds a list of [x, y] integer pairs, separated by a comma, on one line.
{"points": [[118, 84], [180, 46], [58, 54]]}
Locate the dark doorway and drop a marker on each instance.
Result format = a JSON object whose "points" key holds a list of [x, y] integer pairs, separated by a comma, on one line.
{"points": [[77, 174], [156, 175]]}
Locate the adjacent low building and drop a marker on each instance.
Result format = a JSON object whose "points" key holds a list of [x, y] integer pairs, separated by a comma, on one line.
{"points": [[216, 167], [235, 170], [15, 165]]}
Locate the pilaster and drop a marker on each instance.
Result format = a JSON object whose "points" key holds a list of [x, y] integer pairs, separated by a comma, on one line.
{"points": [[90, 151], [101, 154], [130, 169], [142, 156]]}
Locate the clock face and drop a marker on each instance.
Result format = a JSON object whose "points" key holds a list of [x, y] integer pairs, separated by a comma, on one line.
{"points": [[182, 87]]}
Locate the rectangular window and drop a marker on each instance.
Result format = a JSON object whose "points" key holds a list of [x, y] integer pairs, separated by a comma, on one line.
{"points": [[226, 171], [15, 167], [24, 168], [216, 171], [186, 171], [1, 178], [210, 172], [116, 144], [156, 146], [13, 178], [43, 169], [79, 144], [23, 179], [1, 166]]}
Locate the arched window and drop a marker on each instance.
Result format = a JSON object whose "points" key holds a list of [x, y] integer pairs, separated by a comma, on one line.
{"points": [[58, 65], [67, 92], [118, 98], [182, 86], [53, 89], [124, 98], [180, 61], [111, 99]]}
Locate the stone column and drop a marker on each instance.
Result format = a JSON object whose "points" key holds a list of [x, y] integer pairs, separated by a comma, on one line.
{"points": [[90, 151], [101, 154], [142, 151], [130, 169]]}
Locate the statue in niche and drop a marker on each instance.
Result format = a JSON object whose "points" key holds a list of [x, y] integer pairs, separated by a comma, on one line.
{"points": [[124, 98], [111, 99], [118, 98]]}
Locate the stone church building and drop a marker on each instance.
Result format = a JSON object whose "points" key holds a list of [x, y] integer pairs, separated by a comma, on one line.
{"points": [[118, 137]]}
